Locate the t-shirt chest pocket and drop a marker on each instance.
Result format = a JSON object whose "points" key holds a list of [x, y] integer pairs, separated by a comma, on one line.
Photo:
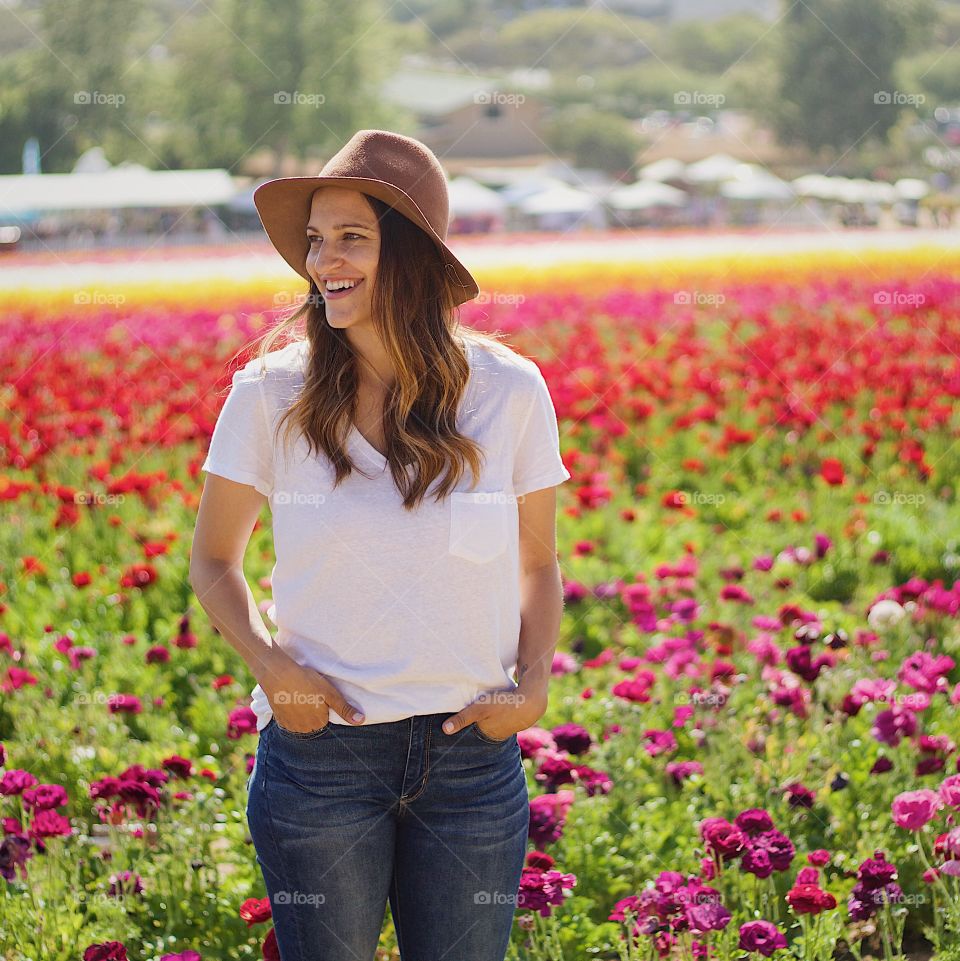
{"points": [[479, 521]]}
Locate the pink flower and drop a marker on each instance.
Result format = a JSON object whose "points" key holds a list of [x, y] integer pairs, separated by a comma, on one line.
{"points": [[540, 890], [564, 663], [16, 781], [950, 790], [533, 740], [913, 809]]}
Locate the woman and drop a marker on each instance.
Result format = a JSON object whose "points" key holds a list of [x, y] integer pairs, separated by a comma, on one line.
{"points": [[410, 465]]}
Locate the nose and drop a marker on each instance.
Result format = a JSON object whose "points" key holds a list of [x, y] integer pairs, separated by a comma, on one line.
{"points": [[320, 260]]}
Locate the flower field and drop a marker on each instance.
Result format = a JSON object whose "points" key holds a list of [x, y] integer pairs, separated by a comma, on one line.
{"points": [[751, 748]]}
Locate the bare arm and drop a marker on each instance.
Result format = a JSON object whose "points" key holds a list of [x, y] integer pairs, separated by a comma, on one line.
{"points": [[225, 520], [541, 608], [541, 595]]}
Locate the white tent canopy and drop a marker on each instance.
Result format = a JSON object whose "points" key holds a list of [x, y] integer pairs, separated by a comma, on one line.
{"points": [[753, 182], [644, 194], [114, 188], [665, 169], [558, 199], [713, 169], [468, 198], [910, 188], [529, 186]]}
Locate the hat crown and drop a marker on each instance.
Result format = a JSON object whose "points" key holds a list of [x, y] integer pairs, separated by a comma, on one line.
{"points": [[404, 163], [398, 170]]}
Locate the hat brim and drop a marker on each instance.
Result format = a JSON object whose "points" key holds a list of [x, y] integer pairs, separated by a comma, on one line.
{"points": [[284, 209]]}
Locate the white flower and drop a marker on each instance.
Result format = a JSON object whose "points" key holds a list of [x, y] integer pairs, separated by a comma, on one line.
{"points": [[885, 613]]}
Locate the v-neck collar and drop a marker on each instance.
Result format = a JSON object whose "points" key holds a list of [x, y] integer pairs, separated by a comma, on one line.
{"points": [[365, 447], [362, 445]]}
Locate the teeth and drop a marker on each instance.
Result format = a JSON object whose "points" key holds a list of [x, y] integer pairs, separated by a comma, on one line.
{"points": [[340, 284]]}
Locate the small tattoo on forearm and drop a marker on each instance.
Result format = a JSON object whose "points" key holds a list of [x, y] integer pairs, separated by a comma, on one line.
{"points": [[522, 670]]}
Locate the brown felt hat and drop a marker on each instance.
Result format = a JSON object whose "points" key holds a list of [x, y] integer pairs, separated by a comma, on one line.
{"points": [[398, 170]]}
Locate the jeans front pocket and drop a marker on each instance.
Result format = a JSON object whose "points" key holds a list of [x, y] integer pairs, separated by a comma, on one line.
{"points": [[475, 727], [478, 525], [301, 735]]}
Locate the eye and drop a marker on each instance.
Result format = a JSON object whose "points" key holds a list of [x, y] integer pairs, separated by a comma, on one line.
{"points": [[314, 237]]}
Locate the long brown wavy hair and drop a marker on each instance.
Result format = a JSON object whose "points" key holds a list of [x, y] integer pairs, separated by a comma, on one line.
{"points": [[415, 315]]}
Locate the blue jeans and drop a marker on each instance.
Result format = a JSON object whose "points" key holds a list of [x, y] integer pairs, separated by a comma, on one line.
{"points": [[345, 818]]}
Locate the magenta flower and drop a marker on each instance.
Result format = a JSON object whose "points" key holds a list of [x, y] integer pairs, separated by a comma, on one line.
{"points": [[554, 770], [913, 809], [594, 781], [124, 704], [762, 937], [754, 821], [535, 739], [892, 725], [14, 852], [703, 909], [722, 838], [542, 890], [679, 771], [241, 720], [44, 796], [16, 781], [572, 738], [950, 790], [548, 812], [659, 742]]}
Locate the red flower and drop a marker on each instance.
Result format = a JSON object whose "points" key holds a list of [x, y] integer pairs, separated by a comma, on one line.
{"points": [[831, 470], [270, 950], [810, 899], [106, 951], [255, 910]]}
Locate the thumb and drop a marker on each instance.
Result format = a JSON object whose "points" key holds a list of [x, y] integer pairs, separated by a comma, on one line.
{"points": [[336, 701], [457, 722]]}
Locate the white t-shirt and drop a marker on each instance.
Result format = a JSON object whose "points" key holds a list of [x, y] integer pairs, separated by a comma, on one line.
{"points": [[406, 612]]}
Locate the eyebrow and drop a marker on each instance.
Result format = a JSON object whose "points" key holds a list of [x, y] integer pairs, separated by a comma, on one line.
{"points": [[343, 226]]}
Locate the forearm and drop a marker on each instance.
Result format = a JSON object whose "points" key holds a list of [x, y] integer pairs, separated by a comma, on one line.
{"points": [[541, 609], [225, 595]]}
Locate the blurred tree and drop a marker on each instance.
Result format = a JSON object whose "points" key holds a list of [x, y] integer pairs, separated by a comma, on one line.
{"points": [[567, 40], [837, 61], [309, 72], [593, 139], [937, 74], [715, 46], [71, 86]]}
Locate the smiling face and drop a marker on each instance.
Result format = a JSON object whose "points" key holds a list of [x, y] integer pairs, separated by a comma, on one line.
{"points": [[344, 242]]}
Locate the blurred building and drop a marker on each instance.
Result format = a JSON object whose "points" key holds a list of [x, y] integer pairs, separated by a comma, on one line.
{"points": [[464, 115]]}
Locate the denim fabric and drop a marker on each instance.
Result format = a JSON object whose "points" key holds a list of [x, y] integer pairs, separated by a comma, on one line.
{"points": [[345, 819]]}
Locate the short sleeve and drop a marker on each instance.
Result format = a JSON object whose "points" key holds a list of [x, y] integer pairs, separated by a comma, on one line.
{"points": [[537, 462], [241, 448]]}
